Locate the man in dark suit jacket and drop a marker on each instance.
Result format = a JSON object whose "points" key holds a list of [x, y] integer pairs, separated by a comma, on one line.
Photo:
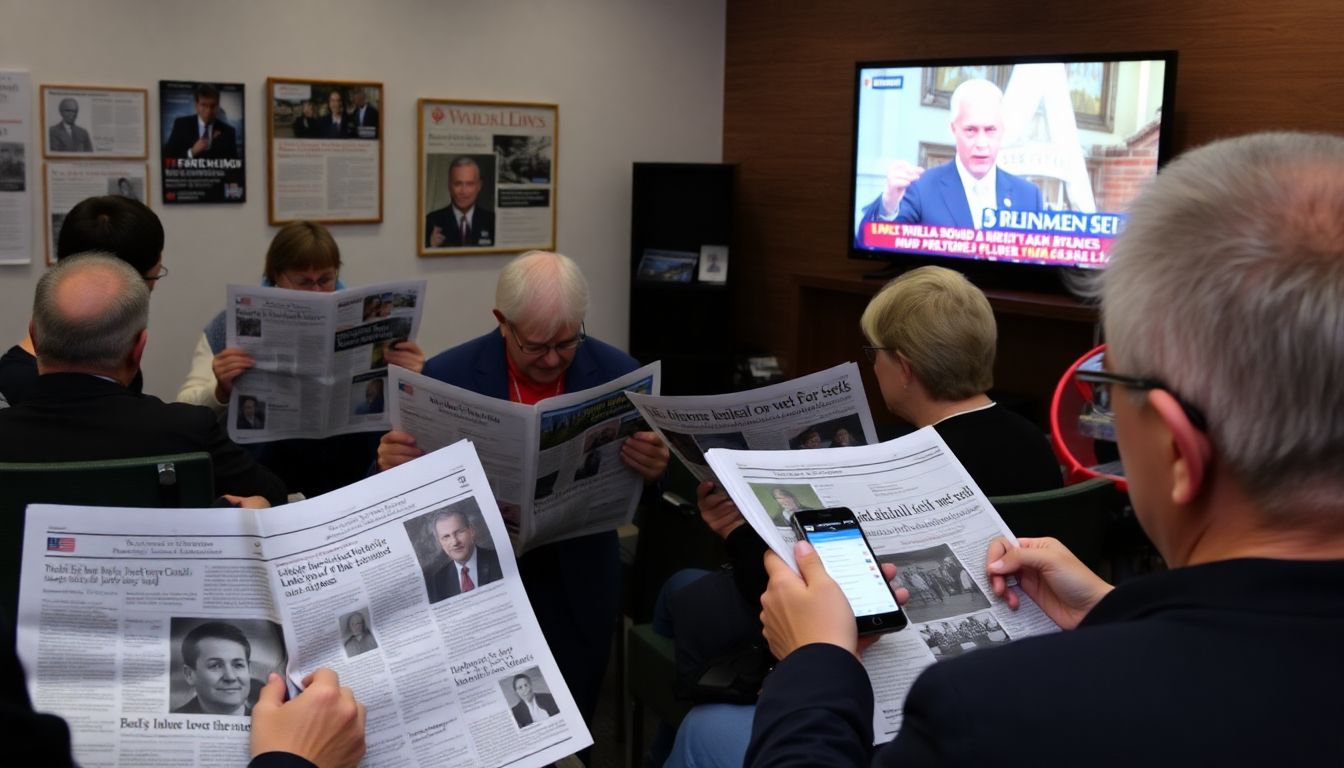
{"points": [[1242, 500], [539, 350], [88, 328], [65, 136], [464, 223], [523, 711], [468, 566], [335, 124], [202, 135], [364, 115], [957, 193]]}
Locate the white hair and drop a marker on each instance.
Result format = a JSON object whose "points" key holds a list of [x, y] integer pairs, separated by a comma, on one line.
{"points": [[545, 290], [975, 89], [1228, 285]]}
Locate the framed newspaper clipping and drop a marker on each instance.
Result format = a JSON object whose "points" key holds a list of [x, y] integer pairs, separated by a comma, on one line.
{"points": [[95, 122], [67, 183], [325, 151], [487, 176]]}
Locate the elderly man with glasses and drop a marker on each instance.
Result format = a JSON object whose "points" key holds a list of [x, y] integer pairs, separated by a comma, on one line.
{"points": [[540, 350]]}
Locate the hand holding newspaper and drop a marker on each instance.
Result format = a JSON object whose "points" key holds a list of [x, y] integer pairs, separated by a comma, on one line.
{"points": [[555, 466], [320, 368], [923, 513], [151, 631], [823, 409]]}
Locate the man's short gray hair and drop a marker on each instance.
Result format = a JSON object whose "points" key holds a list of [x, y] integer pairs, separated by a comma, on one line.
{"points": [[1228, 284], [975, 89], [545, 290], [100, 341], [463, 162]]}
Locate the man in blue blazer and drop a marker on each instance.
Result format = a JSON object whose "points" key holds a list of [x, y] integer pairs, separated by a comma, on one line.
{"points": [[539, 350], [1235, 480], [956, 194]]}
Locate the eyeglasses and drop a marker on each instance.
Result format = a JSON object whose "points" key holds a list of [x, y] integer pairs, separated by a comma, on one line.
{"points": [[306, 283], [1102, 380], [537, 350], [163, 272], [871, 352]]}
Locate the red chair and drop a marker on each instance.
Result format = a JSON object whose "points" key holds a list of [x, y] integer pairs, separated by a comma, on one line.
{"points": [[1079, 420]]}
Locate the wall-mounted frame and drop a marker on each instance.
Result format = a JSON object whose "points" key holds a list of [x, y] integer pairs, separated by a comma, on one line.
{"points": [[496, 162], [95, 122], [202, 138], [67, 183], [321, 165]]}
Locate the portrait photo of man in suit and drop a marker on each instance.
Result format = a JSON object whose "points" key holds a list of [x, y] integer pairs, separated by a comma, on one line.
{"points": [[468, 566], [957, 193], [464, 223], [203, 134], [363, 115], [65, 136], [532, 707]]}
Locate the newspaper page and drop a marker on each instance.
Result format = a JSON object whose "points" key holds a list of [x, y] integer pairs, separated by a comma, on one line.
{"points": [[16, 158], [555, 466], [95, 123], [820, 410], [923, 513], [115, 602], [320, 367]]}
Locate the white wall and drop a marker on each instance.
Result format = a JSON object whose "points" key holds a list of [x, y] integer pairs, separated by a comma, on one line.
{"points": [[636, 80]]}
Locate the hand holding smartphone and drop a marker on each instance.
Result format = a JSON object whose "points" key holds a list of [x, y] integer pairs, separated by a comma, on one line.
{"points": [[838, 539]]}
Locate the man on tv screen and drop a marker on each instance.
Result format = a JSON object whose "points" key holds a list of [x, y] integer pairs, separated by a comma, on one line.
{"points": [[957, 194]]}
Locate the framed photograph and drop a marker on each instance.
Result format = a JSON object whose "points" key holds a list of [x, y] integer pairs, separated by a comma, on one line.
{"points": [[487, 176], [713, 263], [938, 83], [201, 134], [324, 151], [1092, 91], [95, 122], [67, 183], [659, 266]]}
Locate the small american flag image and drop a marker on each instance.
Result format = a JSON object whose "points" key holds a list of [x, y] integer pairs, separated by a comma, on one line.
{"points": [[406, 387], [60, 543]]}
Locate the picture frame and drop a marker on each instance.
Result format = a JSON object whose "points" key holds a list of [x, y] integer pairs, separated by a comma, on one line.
{"points": [[1092, 92], [938, 83], [303, 136], [65, 183], [124, 135], [499, 160]]}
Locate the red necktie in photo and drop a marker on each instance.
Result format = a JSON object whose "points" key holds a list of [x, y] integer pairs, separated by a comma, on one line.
{"points": [[467, 583]]}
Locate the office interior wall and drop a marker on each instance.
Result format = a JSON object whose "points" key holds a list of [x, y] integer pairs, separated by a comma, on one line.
{"points": [[635, 80]]}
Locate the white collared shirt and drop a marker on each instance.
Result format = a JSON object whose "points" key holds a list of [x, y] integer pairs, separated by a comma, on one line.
{"points": [[981, 194], [459, 216], [538, 713], [471, 564]]}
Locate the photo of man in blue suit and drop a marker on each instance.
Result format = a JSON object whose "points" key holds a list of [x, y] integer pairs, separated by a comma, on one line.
{"points": [[956, 194]]}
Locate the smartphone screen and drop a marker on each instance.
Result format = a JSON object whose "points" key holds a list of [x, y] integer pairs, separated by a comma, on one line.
{"points": [[836, 536]]}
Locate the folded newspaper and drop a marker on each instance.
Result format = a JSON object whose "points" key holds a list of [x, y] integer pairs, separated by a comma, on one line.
{"points": [[823, 409], [922, 512], [151, 631], [555, 467], [320, 368]]}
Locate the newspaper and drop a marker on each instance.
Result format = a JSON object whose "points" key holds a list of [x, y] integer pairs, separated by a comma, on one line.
{"points": [[923, 513], [18, 156], [816, 411], [555, 467], [319, 368], [347, 581]]}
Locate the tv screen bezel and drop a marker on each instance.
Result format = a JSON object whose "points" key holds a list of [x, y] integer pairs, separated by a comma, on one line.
{"points": [[1046, 277]]}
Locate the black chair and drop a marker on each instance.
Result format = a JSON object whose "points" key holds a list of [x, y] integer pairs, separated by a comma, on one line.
{"points": [[180, 480], [1085, 517]]}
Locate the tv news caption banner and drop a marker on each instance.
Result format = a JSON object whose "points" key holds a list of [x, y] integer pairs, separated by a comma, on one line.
{"points": [[1030, 237]]}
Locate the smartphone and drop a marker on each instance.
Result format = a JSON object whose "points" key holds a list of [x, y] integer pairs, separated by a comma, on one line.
{"points": [[839, 541]]}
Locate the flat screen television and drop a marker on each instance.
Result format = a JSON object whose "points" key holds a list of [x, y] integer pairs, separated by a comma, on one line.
{"points": [[1010, 168]]}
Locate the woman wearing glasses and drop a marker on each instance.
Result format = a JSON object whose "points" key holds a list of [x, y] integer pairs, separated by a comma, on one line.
{"points": [[303, 256]]}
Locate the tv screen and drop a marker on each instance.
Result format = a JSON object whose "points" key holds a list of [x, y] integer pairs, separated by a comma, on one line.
{"points": [[1027, 163]]}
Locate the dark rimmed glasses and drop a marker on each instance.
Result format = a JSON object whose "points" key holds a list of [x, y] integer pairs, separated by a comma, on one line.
{"points": [[1104, 379], [534, 349]]}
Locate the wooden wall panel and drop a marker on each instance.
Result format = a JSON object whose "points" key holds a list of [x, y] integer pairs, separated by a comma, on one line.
{"points": [[1244, 66]]}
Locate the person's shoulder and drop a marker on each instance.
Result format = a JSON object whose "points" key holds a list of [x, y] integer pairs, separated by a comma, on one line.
{"points": [[454, 364], [608, 358]]}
